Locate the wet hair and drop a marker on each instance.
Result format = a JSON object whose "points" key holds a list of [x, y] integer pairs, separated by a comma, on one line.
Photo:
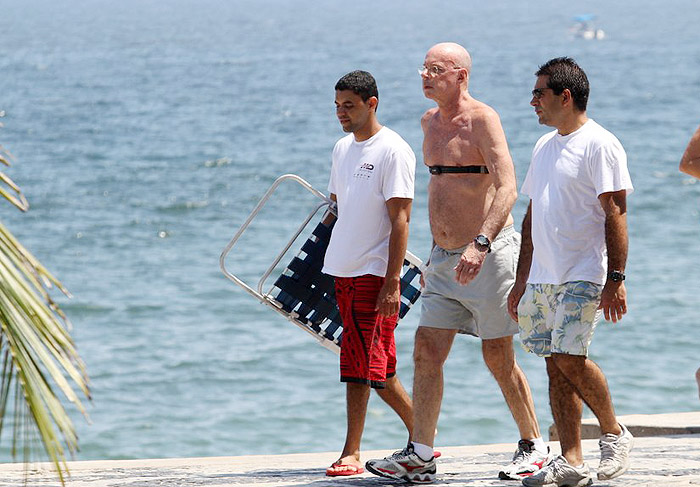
{"points": [[359, 82], [565, 74]]}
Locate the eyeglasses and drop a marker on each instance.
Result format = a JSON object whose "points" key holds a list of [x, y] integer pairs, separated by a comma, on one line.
{"points": [[538, 93], [434, 70]]}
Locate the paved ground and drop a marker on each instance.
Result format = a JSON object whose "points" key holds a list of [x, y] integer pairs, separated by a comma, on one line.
{"points": [[665, 461], [687, 423]]}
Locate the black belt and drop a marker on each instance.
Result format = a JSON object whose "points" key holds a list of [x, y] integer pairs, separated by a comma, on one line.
{"points": [[458, 169]]}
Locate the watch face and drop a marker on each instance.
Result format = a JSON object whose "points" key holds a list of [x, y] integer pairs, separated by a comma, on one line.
{"points": [[482, 240], [616, 276]]}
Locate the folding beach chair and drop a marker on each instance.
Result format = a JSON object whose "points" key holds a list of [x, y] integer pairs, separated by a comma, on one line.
{"points": [[302, 293]]}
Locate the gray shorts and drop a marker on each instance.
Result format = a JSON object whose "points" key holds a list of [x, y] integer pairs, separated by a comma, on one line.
{"points": [[481, 307]]}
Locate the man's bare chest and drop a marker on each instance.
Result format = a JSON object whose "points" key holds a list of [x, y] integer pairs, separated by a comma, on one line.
{"points": [[452, 146]]}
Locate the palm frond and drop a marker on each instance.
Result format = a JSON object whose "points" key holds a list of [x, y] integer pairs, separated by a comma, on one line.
{"points": [[17, 198], [38, 355]]}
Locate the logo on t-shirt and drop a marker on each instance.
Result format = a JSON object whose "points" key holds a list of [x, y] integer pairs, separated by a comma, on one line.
{"points": [[364, 171]]}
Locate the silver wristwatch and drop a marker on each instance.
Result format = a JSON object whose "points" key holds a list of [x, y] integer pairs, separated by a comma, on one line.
{"points": [[482, 243]]}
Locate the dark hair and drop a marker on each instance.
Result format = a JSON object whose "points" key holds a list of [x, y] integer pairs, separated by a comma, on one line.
{"points": [[565, 74], [359, 82]]}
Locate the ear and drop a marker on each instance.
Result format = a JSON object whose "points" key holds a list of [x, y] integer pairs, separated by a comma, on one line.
{"points": [[566, 97], [373, 101], [463, 75]]}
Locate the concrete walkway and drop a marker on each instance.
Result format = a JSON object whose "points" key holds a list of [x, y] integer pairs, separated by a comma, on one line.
{"points": [[665, 461], [644, 425], [666, 454]]}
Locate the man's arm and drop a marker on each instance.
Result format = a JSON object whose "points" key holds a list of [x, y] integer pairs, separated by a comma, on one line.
{"points": [[494, 149], [614, 298], [389, 299], [329, 217], [690, 163], [524, 264]]}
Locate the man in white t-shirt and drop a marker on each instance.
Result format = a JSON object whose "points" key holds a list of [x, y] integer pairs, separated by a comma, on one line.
{"points": [[571, 267], [372, 180]]}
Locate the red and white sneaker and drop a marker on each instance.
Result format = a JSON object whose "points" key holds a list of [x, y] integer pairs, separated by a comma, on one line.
{"points": [[404, 465], [526, 461]]}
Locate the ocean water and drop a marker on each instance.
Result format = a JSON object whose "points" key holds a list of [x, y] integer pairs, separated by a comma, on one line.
{"points": [[144, 131]]}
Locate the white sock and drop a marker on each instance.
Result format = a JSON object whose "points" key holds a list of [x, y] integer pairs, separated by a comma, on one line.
{"points": [[539, 444], [423, 451]]}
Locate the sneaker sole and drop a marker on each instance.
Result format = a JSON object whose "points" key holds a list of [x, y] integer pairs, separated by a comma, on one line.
{"points": [[380, 473], [503, 475], [515, 476], [426, 478], [602, 476], [418, 478], [581, 483]]}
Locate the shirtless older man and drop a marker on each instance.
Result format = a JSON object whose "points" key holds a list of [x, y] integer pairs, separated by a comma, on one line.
{"points": [[471, 267]]}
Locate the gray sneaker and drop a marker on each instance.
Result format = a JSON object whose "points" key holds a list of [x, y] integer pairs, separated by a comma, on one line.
{"points": [[404, 465], [614, 454], [560, 473]]}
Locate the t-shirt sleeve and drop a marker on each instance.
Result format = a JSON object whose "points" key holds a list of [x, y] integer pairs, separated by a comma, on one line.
{"points": [[609, 169], [399, 175]]}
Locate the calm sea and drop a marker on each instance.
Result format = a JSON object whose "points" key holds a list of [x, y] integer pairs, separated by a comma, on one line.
{"points": [[144, 131]]}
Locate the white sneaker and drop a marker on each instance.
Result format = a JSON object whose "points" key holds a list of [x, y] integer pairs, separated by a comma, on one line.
{"points": [[560, 473], [614, 454], [526, 461], [404, 465]]}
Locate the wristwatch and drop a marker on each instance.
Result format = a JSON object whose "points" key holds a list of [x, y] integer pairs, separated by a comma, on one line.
{"points": [[482, 243], [616, 276]]}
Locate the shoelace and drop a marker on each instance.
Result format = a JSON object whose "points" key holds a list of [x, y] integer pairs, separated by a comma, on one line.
{"points": [[521, 456], [400, 453], [524, 452], [556, 467], [608, 450]]}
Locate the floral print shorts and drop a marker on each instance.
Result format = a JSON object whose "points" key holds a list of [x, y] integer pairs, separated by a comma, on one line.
{"points": [[559, 318]]}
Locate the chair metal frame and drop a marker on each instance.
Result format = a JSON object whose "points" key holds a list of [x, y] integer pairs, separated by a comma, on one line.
{"points": [[266, 297]]}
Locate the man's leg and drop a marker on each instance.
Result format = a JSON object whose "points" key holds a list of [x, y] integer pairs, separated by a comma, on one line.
{"points": [[569, 468], [430, 351], [357, 396], [398, 399], [500, 360], [355, 303], [567, 409], [590, 384], [432, 345], [532, 453]]}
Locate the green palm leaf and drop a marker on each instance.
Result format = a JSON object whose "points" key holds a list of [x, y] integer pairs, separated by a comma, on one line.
{"points": [[39, 358]]}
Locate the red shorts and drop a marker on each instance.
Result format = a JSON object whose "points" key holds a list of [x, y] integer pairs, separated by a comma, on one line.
{"points": [[368, 350]]}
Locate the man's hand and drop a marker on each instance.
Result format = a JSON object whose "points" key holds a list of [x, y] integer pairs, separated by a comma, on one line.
{"points": [[389, 299], [514, 298], [469, 264], [613, 301]]}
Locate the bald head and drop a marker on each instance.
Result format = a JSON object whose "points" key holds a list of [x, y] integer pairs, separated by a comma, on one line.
{"points": [[451, 52]]}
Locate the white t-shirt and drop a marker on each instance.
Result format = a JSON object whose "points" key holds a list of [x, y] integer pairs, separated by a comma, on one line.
{"points": [[566, 175], [364, 176]]}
